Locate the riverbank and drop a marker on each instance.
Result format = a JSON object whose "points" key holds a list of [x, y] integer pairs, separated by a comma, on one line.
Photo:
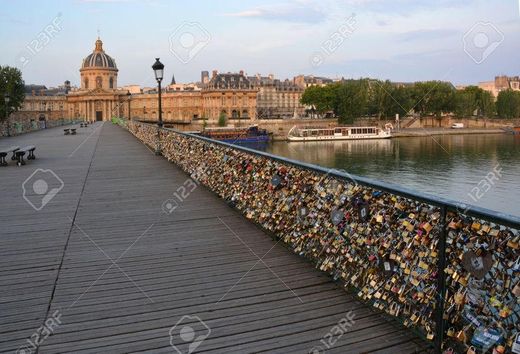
{"points": [[416, 132]]}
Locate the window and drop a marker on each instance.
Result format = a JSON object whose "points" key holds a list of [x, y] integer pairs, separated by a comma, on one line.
{"points": [[99, 82], [86, 83], [111, 83]]}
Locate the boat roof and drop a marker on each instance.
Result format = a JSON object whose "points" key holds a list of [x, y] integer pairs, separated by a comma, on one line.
{"points": [[231, 128], [338, 127]]}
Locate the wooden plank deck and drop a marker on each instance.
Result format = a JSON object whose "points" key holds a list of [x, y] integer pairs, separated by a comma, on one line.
{"points": [[121, 272]]}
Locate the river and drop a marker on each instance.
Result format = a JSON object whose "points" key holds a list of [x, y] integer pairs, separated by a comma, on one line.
{"points": [[451, 166]]}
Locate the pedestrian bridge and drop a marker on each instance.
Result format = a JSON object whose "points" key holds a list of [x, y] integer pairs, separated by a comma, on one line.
{"points": [[106, 247]]}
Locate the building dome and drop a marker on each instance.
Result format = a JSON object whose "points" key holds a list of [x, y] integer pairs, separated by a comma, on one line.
{"points": [[98, 58]]}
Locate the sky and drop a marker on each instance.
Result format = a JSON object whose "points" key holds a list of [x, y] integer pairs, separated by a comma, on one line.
{"points": [[461, 41]]}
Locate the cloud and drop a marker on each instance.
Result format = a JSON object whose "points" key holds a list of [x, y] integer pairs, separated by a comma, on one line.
{"points": [[405, 6], [287, 12], [427, 34]]}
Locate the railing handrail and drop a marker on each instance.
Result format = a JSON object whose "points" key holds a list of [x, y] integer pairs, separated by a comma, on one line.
{"points": [[471, 210]]}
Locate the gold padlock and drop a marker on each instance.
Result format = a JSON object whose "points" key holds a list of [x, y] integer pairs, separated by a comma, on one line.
{"points": [[461, 336], [450, 332]]}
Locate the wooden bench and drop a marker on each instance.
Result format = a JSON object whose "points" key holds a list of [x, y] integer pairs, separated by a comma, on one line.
{"points": [[21, 153], [73, 131], [66, 131], [81, 125], [4, 152]]}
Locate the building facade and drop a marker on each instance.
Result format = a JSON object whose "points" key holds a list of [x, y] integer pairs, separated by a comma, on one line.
{"points": [[501, 83], [98, 97], [276, 98]]}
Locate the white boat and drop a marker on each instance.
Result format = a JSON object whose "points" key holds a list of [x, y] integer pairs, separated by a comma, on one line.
{"points": [[338, 133]]}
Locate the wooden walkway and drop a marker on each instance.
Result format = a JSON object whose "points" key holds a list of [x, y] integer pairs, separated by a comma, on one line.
{"points": [[121, 272]]}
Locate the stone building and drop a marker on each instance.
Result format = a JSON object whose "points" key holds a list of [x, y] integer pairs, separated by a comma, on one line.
{"points": [[231, 94], [305, 81], [98, 97], [501, 83], [276, 98]]}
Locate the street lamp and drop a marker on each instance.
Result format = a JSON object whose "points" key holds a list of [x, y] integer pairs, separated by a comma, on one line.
{"points": [[6, 99], [158, 69], [128, 95]]}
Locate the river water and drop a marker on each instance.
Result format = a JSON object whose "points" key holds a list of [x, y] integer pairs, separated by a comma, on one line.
{"points": [[451, 166]]}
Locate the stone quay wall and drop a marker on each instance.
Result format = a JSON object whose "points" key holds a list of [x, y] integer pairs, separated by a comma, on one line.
{"points": [[382, 243]]}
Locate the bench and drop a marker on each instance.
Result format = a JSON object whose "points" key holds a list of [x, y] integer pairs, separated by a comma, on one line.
{"points": [[81, 125], [73, 131], [4, 152], [21, 153], [66, 131]]}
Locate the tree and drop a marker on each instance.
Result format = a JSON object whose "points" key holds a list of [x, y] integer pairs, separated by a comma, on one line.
{"points": [[473, 99], [465, 104], [402, 101], [320, 98], [380, 98], [434, 97], [222, 119], [487, 104], [11, 82], [351, 100], [508, 104]]}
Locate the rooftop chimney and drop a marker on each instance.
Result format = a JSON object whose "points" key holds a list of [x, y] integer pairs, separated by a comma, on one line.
{"points": [[214, 74]]}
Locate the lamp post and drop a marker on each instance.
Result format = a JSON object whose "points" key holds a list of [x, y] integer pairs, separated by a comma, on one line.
{"points": [[158, 69], [6, 99], [128, 95]]}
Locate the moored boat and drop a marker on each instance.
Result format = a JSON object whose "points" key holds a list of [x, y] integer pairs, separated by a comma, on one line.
{"points": [[251, 134], [338, 133]]}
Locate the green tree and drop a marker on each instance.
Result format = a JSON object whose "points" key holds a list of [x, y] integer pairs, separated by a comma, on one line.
{"points": [[508, 104], [11, 82], [222, 119], [402, 101], [434, 97], [487, 104], [465, 103], [381, 100], [473, 99], [351, 100], [320, 98]]}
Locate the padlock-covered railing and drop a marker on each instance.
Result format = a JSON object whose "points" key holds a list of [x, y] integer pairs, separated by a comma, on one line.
{"points": [[450, 271]]}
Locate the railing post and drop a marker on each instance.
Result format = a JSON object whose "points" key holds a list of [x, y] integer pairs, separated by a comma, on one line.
{"points": [[158, 144], [441, 282]]}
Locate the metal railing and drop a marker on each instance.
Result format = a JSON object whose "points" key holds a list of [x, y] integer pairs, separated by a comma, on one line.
{"points": [[446, 226]]}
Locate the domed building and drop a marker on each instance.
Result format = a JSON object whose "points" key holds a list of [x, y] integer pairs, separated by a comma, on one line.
{"points": [[98, 98], [98, 70]]}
